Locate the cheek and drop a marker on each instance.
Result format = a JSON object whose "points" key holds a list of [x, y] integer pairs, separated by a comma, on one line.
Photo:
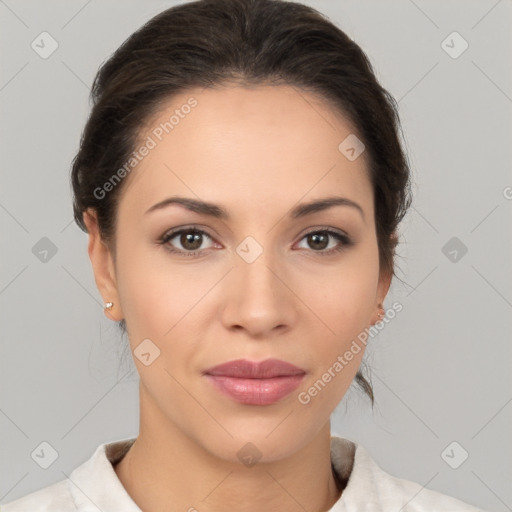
{"points": [[343, 299], [155, 294], [156, 304], [343, 296]]}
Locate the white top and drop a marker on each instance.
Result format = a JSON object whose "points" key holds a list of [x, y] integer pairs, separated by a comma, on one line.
{"points": [[95, 487]]}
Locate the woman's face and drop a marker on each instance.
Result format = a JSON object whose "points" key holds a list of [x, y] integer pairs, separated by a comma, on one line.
{"points": [[255, 284]]}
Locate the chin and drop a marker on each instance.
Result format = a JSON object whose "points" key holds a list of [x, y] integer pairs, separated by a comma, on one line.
{"points": [[258, 441]]}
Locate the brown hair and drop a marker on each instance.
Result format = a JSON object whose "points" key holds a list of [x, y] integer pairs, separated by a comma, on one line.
{"points": [[206, 43]]}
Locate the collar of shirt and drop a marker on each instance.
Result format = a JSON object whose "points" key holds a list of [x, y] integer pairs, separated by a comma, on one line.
{"points": [[95, 485]]}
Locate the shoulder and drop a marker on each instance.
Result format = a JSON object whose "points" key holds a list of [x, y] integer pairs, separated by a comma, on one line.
{"points": [[371, 489], [400, 494], [94, 482], [54, 498]]}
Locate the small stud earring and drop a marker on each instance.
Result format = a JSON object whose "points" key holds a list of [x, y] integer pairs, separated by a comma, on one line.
{"points": [[108, 305], [382, 314]]}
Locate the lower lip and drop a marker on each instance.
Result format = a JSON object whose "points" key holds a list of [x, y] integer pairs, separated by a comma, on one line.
{"points": [[256, 391]]}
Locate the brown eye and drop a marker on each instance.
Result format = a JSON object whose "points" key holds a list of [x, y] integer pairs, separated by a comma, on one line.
{"points": [[190, 240], [319, 241]]}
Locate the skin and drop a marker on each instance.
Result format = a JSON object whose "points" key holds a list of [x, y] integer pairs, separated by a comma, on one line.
{"points": [[256, 152]]}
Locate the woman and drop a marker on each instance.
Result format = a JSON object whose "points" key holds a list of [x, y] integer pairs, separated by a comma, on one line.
{"points": [[241, 181]]}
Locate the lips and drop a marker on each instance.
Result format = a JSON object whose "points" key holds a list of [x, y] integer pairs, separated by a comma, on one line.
{"points": [[255, 383], [244, 369]]}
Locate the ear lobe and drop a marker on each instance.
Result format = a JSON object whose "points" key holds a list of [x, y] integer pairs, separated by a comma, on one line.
{"points": [[382, 291], [102, 265]]}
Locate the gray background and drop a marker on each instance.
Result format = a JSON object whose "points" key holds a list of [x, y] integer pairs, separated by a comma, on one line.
{"points": [[440, 369]]}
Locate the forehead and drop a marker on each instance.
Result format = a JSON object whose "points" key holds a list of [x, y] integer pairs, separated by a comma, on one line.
{"points": [[257, 146]]}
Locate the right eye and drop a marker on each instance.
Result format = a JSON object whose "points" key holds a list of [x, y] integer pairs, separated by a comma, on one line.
{"points": [[190, 240]]}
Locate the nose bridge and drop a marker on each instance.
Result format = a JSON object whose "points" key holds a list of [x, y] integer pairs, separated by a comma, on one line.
{"points": [[256, 268], [258, 298]]}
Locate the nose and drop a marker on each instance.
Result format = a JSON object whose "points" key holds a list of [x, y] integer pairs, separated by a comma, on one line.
{"points": [[259, 298]]}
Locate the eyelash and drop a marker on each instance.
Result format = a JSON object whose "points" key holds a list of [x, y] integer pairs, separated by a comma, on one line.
{"points": [[346, 241]]}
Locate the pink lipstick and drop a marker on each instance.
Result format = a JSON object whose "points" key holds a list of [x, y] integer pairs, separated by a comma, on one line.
{"points": [[255, 383]]}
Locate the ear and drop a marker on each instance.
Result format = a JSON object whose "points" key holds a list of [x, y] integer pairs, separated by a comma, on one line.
{"points": [[103, 266], [383, 286], [382, 291], [385, 278]]}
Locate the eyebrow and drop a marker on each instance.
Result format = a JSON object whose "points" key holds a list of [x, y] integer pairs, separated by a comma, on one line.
{"points": [[213, 210]]}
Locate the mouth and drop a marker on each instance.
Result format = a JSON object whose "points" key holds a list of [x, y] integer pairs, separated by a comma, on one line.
{"points": [[255, 383]]}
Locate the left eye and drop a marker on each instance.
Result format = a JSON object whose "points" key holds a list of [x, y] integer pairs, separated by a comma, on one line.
{"points": [[320, 240]]}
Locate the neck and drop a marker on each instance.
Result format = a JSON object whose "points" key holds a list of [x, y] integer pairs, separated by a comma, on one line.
{"points": [[166, 467]]}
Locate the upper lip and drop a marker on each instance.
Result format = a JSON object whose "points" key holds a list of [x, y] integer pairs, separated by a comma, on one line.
{"points": [[267, 369]]}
